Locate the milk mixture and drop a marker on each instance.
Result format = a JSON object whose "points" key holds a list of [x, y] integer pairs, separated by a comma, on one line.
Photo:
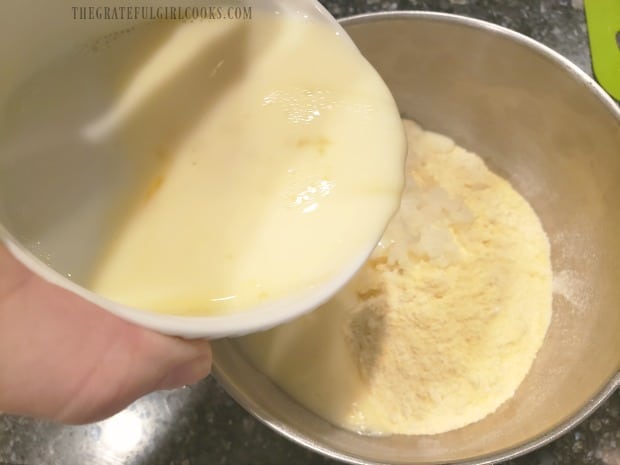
{"points": [[442, 324], [280, 170]]}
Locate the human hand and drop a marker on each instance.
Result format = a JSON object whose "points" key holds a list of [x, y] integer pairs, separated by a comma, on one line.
{"points": [[65, 359]]}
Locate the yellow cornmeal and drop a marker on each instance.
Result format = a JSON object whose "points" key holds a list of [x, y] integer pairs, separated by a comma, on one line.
{"points": [[444, 321]]}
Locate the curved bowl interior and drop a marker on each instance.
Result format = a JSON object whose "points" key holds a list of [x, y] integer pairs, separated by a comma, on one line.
{"points": [[546, 127]]}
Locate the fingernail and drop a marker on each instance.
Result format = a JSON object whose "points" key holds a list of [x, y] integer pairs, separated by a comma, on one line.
{"points": [[188, 373]]}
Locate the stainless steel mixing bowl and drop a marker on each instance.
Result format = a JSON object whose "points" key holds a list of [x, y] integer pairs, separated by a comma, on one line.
{"points": [[547, 127]]}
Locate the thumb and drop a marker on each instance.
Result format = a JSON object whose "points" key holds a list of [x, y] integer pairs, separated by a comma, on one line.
{"points": [[154, 363], [64, 358]]}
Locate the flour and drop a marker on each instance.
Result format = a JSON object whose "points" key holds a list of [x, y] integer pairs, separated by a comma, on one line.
{"points": [[571, 285], [443, 322]]}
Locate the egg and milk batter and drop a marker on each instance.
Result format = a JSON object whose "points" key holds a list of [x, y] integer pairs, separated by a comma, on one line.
{"points": [[442, 324], [292, 170]]}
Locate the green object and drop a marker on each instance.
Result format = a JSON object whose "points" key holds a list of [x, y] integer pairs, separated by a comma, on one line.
{"points": [[603, 19]]}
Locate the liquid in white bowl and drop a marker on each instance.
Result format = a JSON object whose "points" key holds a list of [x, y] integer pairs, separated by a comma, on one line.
{"points": [[261, 158]]}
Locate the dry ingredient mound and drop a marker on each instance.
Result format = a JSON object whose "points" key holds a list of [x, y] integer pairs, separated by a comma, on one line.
{"points": [[443, 322]]}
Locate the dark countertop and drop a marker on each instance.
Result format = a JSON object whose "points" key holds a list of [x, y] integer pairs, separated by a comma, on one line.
{"points": [[202, 424]]}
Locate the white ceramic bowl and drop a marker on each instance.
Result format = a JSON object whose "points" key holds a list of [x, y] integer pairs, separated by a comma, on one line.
{"points": [[56, 196]]}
